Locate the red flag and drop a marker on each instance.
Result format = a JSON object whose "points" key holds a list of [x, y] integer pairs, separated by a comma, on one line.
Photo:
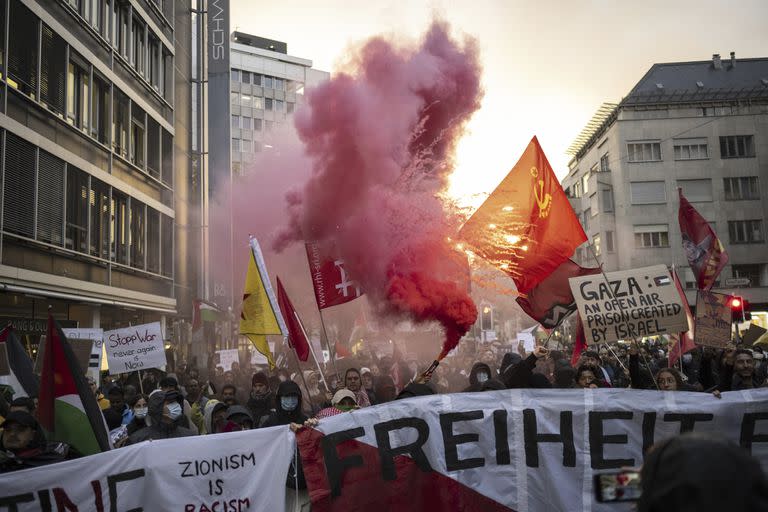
{"points": [[526, 227], [706, 255], [580, 345], [551, 300], [296, 338], [332, 284], [683, 342]]}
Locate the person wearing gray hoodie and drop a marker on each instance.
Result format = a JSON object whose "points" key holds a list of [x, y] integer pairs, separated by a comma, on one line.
{"points": [[166, 413]]}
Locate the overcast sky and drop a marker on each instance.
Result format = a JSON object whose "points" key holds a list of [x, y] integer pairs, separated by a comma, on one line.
{"points": [[548, 64]]}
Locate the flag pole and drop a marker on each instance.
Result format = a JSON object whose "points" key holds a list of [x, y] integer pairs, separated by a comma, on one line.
{"points": [[301, 374], [610, 294], [328, 341], [312, 351]]}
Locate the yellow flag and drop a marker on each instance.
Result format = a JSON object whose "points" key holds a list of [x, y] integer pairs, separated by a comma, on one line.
{"points": [[260, 315]]}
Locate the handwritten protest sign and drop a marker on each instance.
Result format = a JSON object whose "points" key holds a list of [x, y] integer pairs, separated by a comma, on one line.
{"points": [[225, 358], [712, 320], [96, 339], [628, 304], [134, 348]]}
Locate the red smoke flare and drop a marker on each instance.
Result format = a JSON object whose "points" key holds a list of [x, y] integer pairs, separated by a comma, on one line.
{"points": [[381, 138]]}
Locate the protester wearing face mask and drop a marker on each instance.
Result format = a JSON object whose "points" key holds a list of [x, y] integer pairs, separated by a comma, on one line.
{"points": [[479, 374], [166, 413], [139, 407]]}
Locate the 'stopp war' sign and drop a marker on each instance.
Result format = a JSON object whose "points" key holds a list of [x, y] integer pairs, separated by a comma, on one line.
{"points": [[134, 348], [628, 304]]}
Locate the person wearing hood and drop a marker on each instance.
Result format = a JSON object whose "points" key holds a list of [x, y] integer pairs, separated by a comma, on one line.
{"points": [[260, 401], [238, 418], [343, 401], [23, 444], [479, 374], [314, 400], [166, 414], [367, 377], [415, 389], [287, 406], [519, 375], [698, 472], [215, 416]]}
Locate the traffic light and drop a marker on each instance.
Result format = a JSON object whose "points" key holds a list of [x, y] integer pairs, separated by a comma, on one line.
{"points": [[746, 309], [486, 318], [736, 304]]}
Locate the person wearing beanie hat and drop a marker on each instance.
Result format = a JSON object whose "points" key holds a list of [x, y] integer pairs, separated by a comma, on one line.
{"points": [[260, 400]]}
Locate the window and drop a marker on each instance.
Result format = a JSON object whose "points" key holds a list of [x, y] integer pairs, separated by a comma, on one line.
{"points": [[76, 231], [691, 149], [246, 146], [644, 151], [609, 241], [167, 77], [257, 124], [138, 236], [267, 82], [166, 245], [256, 79], [606, 196], [153, 241], [267, 103], [120, 123], [246, 123], [577, 189], [279, 84], [604, 161], [655, 235], [50, 198], [118, 229], [19, 186], [245, 77], [22, 50], [153, 148], [279, 106], [139, 54], [52, 70], [585, 218], [258, 102], [745, 231], [648, 192], [78, 92], [596, 244], [739, 189], [155, 58], [138, 136], [290, 107], [99, 203], [234, 98], [235, 144], [593, 204], [737, 146], [235, 75], [166, 156], [245, 100], [100, 105], [751, 272], [696, 190], [235, 121]]}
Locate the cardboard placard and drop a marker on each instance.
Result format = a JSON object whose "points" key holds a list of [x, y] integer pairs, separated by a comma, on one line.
{"points": [[225, 358], [96, 336], [135, 348], [712, 322], [628, 304]]}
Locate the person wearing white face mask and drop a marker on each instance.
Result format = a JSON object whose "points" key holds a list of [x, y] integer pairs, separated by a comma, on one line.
{"points": [[139, 408], [165, 413], [480, 374]]}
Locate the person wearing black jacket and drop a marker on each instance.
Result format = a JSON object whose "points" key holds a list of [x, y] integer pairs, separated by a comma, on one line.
{"points": [[520, 375], [23, 444], [260, 399], [167, 418]]}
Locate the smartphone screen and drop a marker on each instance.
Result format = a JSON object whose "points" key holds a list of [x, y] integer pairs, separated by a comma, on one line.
{"points": [[617, 486]]}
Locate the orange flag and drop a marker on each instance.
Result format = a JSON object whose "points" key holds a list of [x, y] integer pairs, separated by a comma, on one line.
{"points": [[526, 227]]}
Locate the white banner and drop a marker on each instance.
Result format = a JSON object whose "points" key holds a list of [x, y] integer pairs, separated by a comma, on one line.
{"points": [[226, 357], [629, 304], [238, 471], [135, 348], [520, 450], [97, 337]]}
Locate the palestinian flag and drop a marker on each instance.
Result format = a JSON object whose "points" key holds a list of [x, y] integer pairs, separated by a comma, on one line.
{"points": [[19, 373], [68, 411], [205, 311]]}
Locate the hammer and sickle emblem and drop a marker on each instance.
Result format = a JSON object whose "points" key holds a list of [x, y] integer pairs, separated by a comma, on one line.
{"points": [[544, 201]]}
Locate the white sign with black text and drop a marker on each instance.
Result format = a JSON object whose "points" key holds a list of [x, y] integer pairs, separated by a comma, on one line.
{"points": [[135, 348]]}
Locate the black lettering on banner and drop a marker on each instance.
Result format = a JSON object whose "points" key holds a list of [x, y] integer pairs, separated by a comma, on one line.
{"points": [[687, 421], [748, 423], [533, 438], [452, 441], [502, 436], [44, 497], [598, 440], [12, 501], [649, 430], [334, 466], [113, 480], [387, 453]]}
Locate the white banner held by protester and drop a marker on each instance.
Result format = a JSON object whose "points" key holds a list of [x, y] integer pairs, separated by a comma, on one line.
{"points": [[226, 357], [135, 348], [712, 321], [630, 304], [238, 471], [97, 337]]}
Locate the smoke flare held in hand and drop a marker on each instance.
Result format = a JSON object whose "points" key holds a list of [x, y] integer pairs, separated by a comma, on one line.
{"points": [[381, 137]]}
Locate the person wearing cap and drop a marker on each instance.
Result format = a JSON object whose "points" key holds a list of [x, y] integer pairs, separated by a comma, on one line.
{"points": [[343, 401], [167, 418], [238, 418], [170, 383], [23, 444], [367, 377], [260, 398]]}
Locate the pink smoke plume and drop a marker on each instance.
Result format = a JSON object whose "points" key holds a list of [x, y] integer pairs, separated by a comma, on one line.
{"points": [[381, 138]]}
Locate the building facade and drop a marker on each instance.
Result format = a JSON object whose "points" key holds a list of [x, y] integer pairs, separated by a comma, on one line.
{"points": [[701, 126], [94, 157]]}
